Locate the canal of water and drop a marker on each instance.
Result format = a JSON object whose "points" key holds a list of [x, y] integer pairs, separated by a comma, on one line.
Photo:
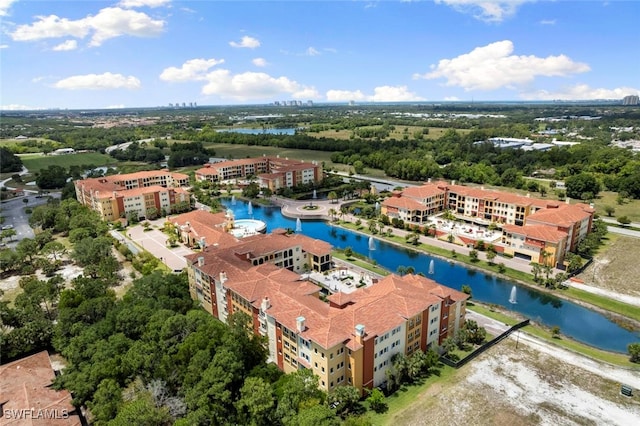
{"points": [[575, 321]]}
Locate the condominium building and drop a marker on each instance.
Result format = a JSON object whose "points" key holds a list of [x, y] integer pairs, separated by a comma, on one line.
{"points": [[142, 193], [533, 228], [272, 172], [348, 339]]}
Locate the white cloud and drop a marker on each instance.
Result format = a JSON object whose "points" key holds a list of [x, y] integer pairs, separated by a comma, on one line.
{"points": [[66, 45], [345, 95], [493, 66], [260, 62], [4, 46], [380, 94], [119, 106], [548, 22], [193, 69], [4, 6], [16, 107], [109, 23], [253, 86], [486, 10], [311, 52], [98, 82], [143, 3], [246, 42], [451, 98], [394, 94], [580, 92]]}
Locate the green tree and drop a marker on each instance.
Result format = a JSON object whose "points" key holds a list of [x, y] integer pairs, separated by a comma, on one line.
{"points": [[90, 251], [377, 401], [53, 177], [27, 249], [609, 210], [256, 405], [345, 400], [55, 249], [473, 255], [634, 352], [623, 220], [348, 252], [318, 415], [491, 255], [106, 401], [466, 289], [582, 186], [333, 196]]}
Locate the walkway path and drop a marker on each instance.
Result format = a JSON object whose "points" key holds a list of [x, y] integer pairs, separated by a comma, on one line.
{"points": [[608, 371]]}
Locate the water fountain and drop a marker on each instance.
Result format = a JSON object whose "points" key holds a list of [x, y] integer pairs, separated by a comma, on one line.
{"points": [[431, 267], [249, 209], [298, 225], [233, 200], [372, 243], [512, 298], [315, 195]]}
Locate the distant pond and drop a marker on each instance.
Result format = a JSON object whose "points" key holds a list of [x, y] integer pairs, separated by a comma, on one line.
{"points": [[265, 131]]}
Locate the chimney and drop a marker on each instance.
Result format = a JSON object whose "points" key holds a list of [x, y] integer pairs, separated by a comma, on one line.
{"points": [[453, 182], [482, 188], [528, 195], [223, 277], [360, 333], [429, 180], [202, 242], [567, 200], [266, 304], [201, 261], [300, 324]]}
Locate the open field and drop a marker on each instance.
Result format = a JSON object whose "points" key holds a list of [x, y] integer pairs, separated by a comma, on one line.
{"points": [[616, 267], [511, 385], [398, 133], [631, 208], [37, 162]]}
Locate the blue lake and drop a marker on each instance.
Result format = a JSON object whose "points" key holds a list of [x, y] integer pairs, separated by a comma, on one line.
{"points": [[575, 321], [247, 131]]}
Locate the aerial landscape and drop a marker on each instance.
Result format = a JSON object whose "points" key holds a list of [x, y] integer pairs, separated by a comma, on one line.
{"points": [[319, 213]]}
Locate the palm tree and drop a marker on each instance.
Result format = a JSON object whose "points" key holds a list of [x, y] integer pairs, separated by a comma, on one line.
{"points": [[333, 196], [332, 213]]}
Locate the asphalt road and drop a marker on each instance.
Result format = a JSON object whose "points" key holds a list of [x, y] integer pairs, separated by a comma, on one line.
{"points": [[13, 212]]}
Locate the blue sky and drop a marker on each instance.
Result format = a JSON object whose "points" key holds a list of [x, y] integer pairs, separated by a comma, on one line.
{"points": [[146, 53]]}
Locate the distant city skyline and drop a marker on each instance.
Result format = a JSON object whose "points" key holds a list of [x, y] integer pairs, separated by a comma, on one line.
{"points": [[150, 53]]}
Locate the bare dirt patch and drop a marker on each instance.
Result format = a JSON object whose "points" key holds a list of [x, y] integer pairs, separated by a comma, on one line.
{"points": [[509, 386], [614, 269]]}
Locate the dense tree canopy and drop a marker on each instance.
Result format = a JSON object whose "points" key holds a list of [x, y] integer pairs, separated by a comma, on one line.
{"points": [[9, 162]]}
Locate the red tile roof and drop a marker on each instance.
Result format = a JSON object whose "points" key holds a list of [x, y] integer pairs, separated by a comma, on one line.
{"points": [[25, 384], [424, 191], [537, 232], [404, 203], [565, 215]]}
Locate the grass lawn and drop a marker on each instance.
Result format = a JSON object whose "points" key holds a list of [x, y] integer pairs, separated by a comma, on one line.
{"points": [[398, 133], [630, 208], [37, 162], [361, 263], [408, 394], [604, 303]]}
